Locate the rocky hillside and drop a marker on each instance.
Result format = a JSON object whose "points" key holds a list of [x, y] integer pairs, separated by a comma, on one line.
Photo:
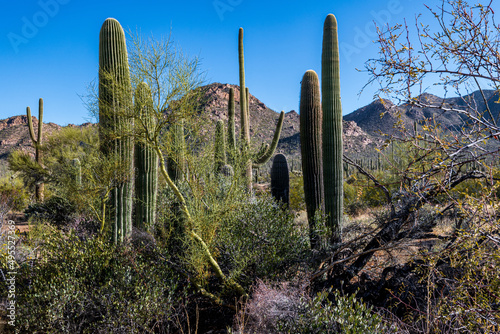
{"points": [[14, 130], [14, 135], [381, 115], [263, 121]]}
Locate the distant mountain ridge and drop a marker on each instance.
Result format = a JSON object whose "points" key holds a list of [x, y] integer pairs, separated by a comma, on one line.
{"points": [[362, 127], [381, 115]]}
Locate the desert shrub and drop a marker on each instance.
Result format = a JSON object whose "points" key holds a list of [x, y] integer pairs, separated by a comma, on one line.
{"points": [[287, 308], [463, 280], [259, 239], [297, 199], [13, 195], [92, 286], [56, 210]]}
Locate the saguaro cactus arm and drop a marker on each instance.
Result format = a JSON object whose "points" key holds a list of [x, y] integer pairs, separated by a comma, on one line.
{"points": [[263, 158]]}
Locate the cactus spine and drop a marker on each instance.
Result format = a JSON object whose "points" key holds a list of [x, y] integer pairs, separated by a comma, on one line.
{"points": [[264, 155], [332, 129], [220, 146], [280, 180], [311, 118], [37, 143], [146, 162], [115, 122]]}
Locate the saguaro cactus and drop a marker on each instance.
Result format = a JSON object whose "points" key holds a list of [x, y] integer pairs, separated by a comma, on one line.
{"points": [[220, 146], [176, 164], [231, 139], [146, 162], [115, 122], [311, 118], [264, 155], [37, 143], [78, 171], [280, 180], [332, 129]]}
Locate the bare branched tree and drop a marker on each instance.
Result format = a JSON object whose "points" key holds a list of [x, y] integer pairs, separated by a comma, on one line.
{"points": [[451, 141]]}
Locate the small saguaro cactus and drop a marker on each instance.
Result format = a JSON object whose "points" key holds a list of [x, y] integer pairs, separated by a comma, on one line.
{"points": [[332, 130], [115, 121], [311, 118], [280, 180], [78, 171], [37, 143], [220, 146], [146, 161]]}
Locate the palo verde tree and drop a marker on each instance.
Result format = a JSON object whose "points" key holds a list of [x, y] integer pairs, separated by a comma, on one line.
{"points": [[173, 79]]}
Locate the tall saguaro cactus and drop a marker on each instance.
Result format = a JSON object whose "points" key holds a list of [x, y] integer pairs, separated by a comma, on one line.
{"points": [[311, 118], [146, 162], [115, 121], [244, 117], [267, 151], [332, 129], [37, 143], [231, 139], [280, 179]]}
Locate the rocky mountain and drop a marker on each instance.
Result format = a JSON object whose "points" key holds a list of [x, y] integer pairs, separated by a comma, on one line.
{"points": [[14, 130], [14, 135], [382, 116], [263, 121]]}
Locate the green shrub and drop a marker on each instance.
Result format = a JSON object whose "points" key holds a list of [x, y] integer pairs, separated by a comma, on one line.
{"points": [[92, 286], [297, 199], [344, 315], [260, 239], [13, 194], [57, 211]]}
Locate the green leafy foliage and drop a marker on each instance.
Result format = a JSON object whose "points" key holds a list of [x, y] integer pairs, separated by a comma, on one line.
{"points": [[13, 194], [344, 315], [91, 286]]}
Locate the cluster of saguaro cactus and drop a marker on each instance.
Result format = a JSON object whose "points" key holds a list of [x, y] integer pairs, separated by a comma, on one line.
{"points": [[267, 151], [146, 162], [115, 122], [280, 180], [37, 143], [331, 140], [311, 118]]}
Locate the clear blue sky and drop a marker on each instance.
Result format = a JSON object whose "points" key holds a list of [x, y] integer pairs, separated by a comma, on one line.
{"points": [[49, 48]]}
